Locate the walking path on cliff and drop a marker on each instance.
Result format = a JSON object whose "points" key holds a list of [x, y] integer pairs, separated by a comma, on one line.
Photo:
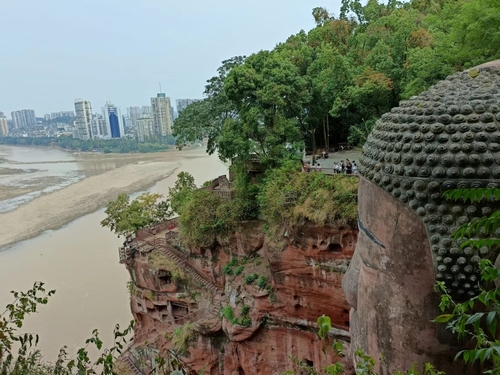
{"points": [[168, 250]]}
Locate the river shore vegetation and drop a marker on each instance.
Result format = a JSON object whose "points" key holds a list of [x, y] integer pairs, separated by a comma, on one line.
{"points": [[120, 146]]}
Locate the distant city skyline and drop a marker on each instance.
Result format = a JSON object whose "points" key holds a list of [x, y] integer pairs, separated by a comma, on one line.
{"points": [[23, 119], [55, 56]]}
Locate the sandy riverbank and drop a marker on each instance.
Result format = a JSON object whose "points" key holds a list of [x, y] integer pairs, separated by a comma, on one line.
{"points": [[54, 210]]}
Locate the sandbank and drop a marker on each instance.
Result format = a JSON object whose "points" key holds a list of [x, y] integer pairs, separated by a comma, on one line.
{"points": [[57, 209]]}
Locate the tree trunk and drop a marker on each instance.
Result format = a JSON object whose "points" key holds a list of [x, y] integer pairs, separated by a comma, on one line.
{"points": [[324, 134]]}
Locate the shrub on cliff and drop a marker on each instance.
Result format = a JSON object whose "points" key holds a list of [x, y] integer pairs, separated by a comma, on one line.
{"points": [[205, 216], [290, 197], [181, 338], [161, 262]]}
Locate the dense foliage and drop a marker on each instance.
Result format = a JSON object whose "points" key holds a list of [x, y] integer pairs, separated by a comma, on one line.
{"points": [[123, 145], [285, 197], [204, 217], [289, 197], [180, 194], [125, 217], [329, 84]]}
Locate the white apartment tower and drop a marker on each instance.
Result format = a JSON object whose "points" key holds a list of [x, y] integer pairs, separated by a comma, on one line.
{"points": [[99, 126], [83, 112], [162, 115], [4, 129]]}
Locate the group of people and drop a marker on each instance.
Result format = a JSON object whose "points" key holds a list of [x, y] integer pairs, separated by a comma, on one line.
{"points": [[346, 167]]}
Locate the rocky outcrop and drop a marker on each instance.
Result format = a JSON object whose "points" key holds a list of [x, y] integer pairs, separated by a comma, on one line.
{"points": [[248, 305]]}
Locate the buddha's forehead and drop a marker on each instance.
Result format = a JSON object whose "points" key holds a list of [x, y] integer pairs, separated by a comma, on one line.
{"points": [[447, 137]]}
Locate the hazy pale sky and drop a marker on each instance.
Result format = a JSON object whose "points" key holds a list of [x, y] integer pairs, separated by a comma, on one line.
{"points": [[54, 51]]}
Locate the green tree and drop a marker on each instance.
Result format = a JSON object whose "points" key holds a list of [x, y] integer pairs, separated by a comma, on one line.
{"points": [[270, 95], [125, 217], [180, 194], [208, 117]]}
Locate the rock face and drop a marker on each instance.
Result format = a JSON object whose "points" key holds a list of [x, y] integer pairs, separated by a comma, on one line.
{"points": [[246, 306]]}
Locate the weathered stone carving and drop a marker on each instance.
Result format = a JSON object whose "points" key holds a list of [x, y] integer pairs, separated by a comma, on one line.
{"points": [[445, 138]]}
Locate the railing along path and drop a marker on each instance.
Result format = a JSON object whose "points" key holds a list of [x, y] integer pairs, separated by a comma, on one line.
{"points": [[168, 250]]}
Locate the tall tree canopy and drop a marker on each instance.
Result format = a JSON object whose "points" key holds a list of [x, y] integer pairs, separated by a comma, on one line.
{"points": [[330, 84]]}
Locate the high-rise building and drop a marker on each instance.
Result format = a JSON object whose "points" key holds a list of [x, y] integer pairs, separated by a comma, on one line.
{"points": [[134, 113], [181, 104], [113, 120], [4, 129], [146, 110], [83, 111], [99, 126], [162, 115], [24, 119], [145, 128], [128, 125]]}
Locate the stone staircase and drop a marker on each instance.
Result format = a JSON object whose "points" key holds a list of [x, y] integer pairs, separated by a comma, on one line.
{"points": [[168, 250], [132, 366]]}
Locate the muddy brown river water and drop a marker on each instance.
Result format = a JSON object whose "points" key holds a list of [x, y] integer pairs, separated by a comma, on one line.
{"points": [[79, 260]]}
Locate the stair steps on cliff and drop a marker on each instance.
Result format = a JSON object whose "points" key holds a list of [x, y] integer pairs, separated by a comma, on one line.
{"points": [[180, 259], [132, 366]]}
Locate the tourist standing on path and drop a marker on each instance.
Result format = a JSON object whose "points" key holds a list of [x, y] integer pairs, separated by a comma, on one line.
{"points": [[348, 166]]}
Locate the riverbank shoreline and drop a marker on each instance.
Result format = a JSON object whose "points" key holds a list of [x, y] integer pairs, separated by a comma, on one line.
{"points": [[172, 148], [55, 210]]}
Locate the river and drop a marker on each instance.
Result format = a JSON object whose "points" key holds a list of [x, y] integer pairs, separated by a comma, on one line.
{"points": [[79, 260]]}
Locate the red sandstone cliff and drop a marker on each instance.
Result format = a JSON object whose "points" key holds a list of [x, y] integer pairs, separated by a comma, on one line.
{"points": [[204, 304]]}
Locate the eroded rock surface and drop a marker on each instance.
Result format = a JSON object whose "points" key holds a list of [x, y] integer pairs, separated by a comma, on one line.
{"points": [[246, 306]]}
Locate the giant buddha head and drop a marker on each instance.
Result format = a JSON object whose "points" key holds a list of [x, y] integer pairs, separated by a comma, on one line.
{"points": [[445, 138]]}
